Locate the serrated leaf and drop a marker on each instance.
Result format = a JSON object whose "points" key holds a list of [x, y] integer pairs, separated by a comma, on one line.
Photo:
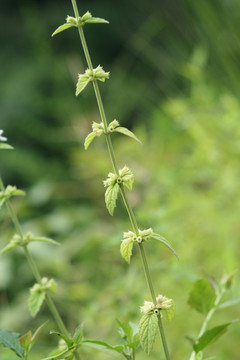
{"points": [[111, 195], [35, 301], [89, 139], [44, 239], [210, 336], [96, 20], [126, 132], [164, 242], [202, 296], [25, 340], [62, 28], [4, 146], [10, 340], [83, 81], [148, 326], [229, 303], [126, 249], [67, 340]]}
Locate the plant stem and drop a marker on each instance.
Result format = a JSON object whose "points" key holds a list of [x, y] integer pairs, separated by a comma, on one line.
{"points": [[33, 265], [122, 190], [208, 317]]}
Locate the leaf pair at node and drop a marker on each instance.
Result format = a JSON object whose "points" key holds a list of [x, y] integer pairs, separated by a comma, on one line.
{"points": [[113, 183], [38, 294], [143, 235], [98, 130], [71, 21], [148, 325], [90, 75], [17, 240], [9, 192]]}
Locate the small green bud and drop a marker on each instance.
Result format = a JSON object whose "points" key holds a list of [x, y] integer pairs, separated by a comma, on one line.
{"points": [[71, 20], [86, 16]]}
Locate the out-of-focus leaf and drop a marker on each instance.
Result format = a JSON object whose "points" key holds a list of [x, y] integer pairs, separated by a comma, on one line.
{"points": [[62, 28], [10, 340], [210, 336], [202, 296]]}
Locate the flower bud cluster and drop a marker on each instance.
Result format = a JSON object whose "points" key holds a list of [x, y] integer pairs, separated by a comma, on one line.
{"points": [[45, 285], [163, 303], [144, 235], [125, 177]]}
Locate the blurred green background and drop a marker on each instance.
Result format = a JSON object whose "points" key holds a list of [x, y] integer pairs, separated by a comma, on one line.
{"points": [[175, 82]]}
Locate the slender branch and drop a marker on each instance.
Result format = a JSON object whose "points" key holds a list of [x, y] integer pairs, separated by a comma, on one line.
{"points": [[208, 318], [33, 265], [122, 190]]}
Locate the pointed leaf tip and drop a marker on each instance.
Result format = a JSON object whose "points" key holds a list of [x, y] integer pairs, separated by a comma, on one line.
{"points": [[62, 28]]}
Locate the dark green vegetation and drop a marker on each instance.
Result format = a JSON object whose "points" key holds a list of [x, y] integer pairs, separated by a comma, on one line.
{"points": [[175, 82]]}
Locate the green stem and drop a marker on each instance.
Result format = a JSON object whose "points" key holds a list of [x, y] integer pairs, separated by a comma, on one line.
{"points": [[208, 318], [33, 265], [122, 190]]}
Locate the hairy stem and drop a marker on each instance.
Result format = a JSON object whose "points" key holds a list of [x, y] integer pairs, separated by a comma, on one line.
{"points": [[33, 265], [208, 318], [115, 168]]}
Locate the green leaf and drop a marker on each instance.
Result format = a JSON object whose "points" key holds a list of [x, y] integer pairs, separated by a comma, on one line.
{"points": [[10, 340], [4, 146], [126, 249], [37, 332], [44, 239], [62, 28], [202, 296], [148, 326], [89, 139], [67, 340], [210, 336], [111, 195], [198, 356], [58, 356], [96, 20], [35, 301], [164, 242], [25, 340], [83, 81], [103, 346], [78, 334], [229, 303], [8, 247], [126, 132]]}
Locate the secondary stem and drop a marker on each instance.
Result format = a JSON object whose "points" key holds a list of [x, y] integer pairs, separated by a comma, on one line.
{"points": [[33, 265], [208, 318], [122, 190]]}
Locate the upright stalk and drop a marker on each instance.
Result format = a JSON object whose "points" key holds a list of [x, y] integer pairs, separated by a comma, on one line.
{"points": [[122, 190]]}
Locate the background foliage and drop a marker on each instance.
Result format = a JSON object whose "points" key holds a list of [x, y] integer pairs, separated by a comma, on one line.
{"points": [[175, 82]]}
